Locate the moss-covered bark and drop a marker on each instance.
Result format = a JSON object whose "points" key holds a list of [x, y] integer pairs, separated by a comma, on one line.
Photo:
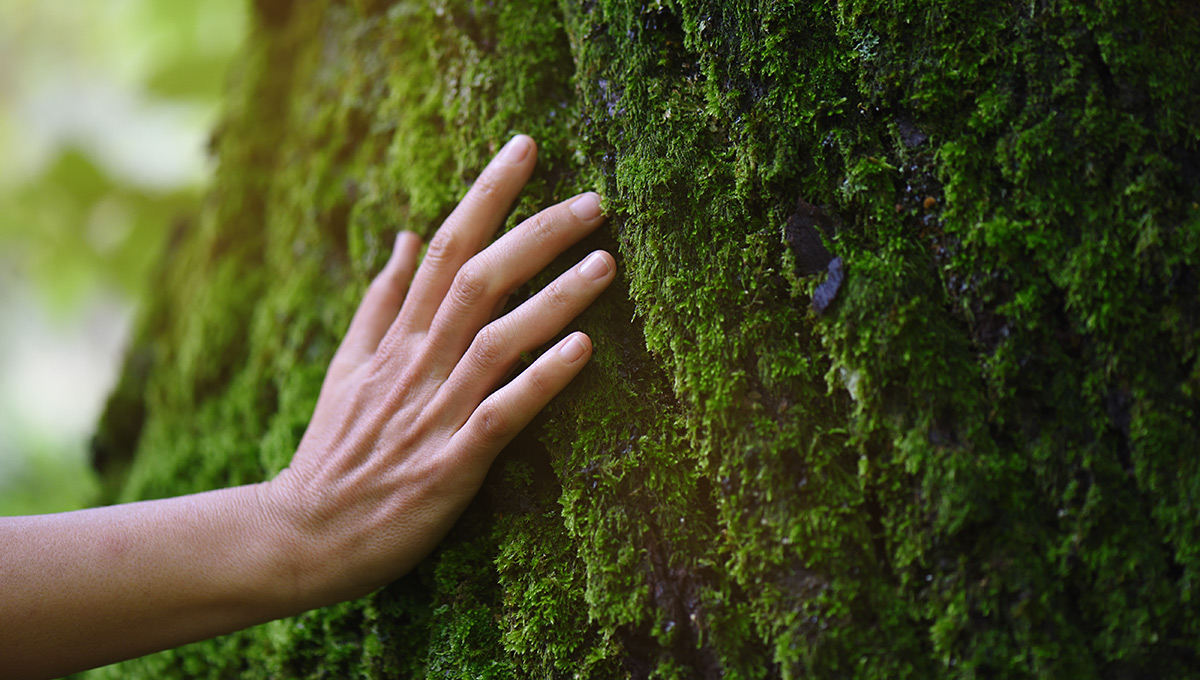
{"points": [[980, 460]]}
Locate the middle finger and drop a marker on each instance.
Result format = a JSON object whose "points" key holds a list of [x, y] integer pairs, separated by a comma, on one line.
{"points": [[467, 230]]}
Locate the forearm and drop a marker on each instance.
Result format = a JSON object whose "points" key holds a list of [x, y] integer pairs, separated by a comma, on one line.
{"points": [[86, 588]]}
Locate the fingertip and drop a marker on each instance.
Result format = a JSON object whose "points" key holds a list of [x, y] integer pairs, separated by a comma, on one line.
{"points": [[407, 237], [597, 266], [586, 207], [517, 150], [514, 405], [575, 347], [405, 249]]}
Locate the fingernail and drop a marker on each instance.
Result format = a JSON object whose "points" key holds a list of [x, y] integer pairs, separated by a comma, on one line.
{"points": [[572, 349], [516, 150], [587, 206], [594, 267]]}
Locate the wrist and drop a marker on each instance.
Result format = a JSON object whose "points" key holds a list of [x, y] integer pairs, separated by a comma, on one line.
{"points": [[310, 565], [289, 560]]}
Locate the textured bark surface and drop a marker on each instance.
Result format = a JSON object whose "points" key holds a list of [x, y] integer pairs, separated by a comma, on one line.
{"points": [[980, 459]]}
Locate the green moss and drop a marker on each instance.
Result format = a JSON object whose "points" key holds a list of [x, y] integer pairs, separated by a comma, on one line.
{"points": [[980, 460]]}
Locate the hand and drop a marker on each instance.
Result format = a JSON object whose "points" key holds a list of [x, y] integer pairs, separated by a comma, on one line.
{"points": [[412, 411]]}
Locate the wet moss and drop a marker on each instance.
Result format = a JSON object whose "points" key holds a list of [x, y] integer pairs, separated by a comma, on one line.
{"points": [[979, 460]]}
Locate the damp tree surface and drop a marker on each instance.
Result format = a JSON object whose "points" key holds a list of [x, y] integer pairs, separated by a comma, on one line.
{"points": [[898, 378]]}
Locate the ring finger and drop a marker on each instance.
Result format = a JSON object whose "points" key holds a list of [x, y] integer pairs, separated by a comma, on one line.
{"points": [[498, 345]]}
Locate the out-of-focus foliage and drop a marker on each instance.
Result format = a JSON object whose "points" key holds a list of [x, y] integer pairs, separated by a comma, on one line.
{"points": [[105, 112], [104, 115]]}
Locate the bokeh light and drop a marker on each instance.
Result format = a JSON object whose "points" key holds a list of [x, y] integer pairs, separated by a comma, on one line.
{"points": [[105, 112]]}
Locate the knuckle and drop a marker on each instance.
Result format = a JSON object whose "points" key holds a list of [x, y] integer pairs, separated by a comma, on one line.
{"points": [[541, 227], [421, 472], [472, 283], [488, 185], [445, 246], [489, 349], [557, 295], [538, 381], [494, 421]]}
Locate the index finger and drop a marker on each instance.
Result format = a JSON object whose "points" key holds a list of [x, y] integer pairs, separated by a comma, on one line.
{"points": [[467, 230]]}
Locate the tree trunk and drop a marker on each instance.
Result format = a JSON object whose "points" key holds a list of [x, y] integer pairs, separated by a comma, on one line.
{"points": [[898, 378]]}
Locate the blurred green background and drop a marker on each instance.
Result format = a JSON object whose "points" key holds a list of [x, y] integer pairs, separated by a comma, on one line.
{"points": [[105, 112]]}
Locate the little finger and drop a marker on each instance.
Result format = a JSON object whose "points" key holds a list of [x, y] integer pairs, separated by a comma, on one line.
{"points": [[503, 414]]}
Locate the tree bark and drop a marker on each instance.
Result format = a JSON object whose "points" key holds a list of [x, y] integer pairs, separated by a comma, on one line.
{"points": [[970, 452]]}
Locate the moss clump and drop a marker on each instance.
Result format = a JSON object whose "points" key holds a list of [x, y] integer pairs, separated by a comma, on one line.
{"points": [[979, 460]]}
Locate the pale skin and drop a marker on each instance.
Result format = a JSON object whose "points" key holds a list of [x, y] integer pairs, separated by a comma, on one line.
{"points": [[413, 410]]}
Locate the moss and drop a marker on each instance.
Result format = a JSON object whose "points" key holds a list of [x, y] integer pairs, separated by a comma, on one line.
{"points": [[978, 461]]}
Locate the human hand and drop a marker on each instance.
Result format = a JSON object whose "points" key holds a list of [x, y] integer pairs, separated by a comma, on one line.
{"points": [[412, 411]]}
